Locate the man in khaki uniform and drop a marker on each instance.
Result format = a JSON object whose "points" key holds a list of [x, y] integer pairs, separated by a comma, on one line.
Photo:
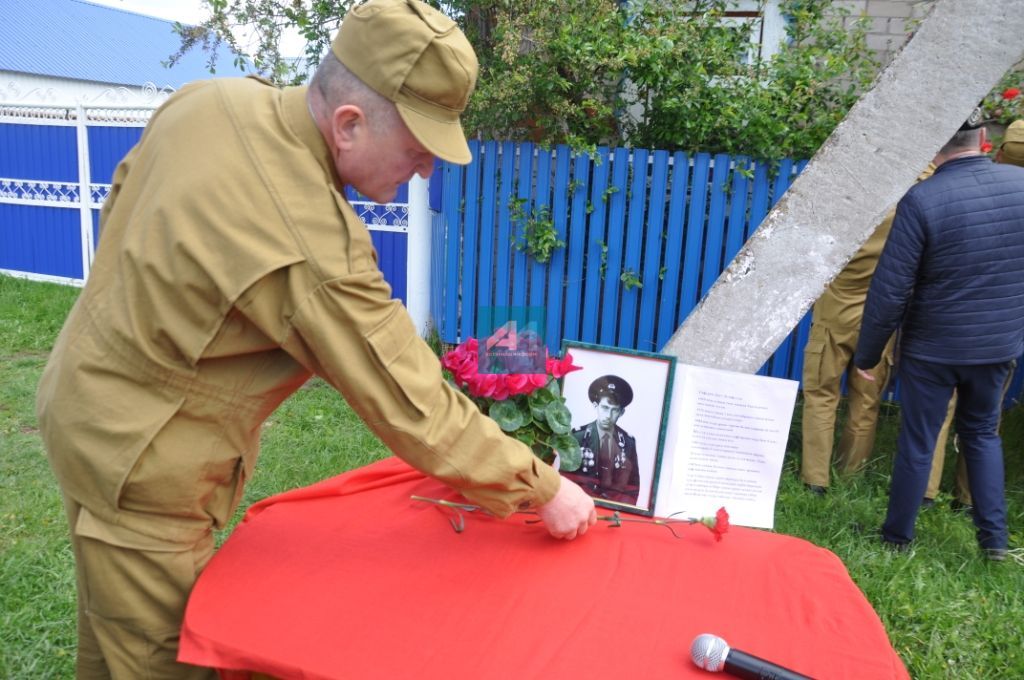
{"points": [[230, 270], [827, 358]]}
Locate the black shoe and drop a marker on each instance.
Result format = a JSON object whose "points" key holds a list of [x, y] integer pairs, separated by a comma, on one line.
{"points": [[960, 508], [995, 554], [893, 545], [927, 503], [816, 490], [876, 534]]}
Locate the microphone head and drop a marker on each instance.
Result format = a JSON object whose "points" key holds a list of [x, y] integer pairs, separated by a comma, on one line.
{"points": [[709, 652]]}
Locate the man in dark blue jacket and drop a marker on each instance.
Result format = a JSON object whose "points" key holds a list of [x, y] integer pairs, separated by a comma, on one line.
{"points": [[951, 278]]}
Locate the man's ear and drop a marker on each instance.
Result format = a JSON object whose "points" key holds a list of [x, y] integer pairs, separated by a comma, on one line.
{"points": [[348, 124]]}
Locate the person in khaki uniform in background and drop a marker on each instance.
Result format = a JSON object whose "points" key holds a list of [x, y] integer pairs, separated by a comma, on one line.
{"points": [[1011, 149], [230, 270], [962, 491], [827, 358]]}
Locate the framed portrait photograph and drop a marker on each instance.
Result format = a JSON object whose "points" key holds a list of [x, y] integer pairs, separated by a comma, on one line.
{"points": [[619, 401]]}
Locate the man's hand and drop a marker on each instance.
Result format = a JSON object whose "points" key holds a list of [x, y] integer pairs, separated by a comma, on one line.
{"points": [[864, 374], [570, 513]]}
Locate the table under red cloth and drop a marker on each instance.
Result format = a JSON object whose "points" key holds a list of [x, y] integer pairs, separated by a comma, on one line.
{"points": [[351, 578]]}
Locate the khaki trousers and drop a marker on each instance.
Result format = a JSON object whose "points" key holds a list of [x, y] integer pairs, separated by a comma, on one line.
{"points": [[131, 602], [962, 490], [827, 358]]}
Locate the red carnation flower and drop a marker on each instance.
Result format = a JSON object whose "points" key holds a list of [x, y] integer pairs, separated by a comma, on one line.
{"points": [[986, 147], [719, 524], [1010, 93]]}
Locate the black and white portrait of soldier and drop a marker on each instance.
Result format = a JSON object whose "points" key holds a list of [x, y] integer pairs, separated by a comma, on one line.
{"points": [[619, 401]]}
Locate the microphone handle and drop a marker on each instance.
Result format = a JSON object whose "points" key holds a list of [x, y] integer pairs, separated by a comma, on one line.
{"points": [[749, 667]]}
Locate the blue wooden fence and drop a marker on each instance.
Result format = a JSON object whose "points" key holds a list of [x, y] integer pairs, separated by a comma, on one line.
{"points": [[645, 234], [40, 219]]}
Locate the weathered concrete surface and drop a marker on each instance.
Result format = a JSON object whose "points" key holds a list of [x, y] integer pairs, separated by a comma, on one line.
{"points": [[862, 169]]}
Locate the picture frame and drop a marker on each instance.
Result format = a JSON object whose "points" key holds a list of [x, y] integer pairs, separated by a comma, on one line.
{"points": [[619, 401]]}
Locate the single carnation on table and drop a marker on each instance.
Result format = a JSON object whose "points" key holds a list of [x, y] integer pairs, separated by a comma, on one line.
{"points": [[719, 524], [527, 406]]}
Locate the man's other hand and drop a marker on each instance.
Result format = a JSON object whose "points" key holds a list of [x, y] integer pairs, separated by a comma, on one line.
{"points": [[570, 513]]}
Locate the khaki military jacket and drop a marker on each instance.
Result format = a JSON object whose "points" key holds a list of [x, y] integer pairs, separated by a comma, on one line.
{"points": [[230, 269], [842, 303]]}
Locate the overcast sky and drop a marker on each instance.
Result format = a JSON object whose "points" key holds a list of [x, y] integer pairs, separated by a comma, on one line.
{"points": [[187, 12]]}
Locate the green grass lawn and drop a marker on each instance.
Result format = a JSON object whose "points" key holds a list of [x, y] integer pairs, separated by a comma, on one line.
{"points": [[949, 613]]}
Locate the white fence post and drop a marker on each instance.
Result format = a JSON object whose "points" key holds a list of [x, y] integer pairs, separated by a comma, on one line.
{"points": [[84, 191], [417, 290]]}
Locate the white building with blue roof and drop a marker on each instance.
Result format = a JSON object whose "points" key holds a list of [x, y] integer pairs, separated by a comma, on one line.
{"points": [[74, 51]]}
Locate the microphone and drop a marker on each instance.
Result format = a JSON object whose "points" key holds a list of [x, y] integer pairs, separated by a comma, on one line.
{"points": [[711, 653]]}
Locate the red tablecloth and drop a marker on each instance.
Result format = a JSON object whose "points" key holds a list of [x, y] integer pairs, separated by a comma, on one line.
{"points": [[349, 578]]}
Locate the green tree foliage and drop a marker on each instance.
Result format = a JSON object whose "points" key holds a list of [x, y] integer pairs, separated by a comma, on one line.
{"points": [[1005, 103], [669, 74], [701, 87], [252, 32], [553, 73]]}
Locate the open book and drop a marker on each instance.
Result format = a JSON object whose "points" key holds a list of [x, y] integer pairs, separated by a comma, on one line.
{"points": [[724, 445]]}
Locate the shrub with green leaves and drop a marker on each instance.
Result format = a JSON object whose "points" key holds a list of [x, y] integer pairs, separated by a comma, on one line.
{"points": [[667, 74]]}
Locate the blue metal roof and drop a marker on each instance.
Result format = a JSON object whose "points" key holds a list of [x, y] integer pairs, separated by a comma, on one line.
{"points": [[82, 41]]}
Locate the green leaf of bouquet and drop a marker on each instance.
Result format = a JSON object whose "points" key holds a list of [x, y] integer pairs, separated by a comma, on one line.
{"points": [[526, 436], [569, 455], [553, 389], [538, 401], [558, 418], [507, 415], [542, 395]]}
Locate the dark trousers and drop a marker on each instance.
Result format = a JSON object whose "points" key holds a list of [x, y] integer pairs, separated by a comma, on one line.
{"points": [[925, 391]]}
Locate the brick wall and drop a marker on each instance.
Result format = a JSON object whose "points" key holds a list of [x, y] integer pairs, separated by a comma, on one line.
{"points": [[892, 22]]}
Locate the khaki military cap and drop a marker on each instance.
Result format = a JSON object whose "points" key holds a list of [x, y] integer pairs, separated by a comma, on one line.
{"points": [[1012, 148], [416, 57]]}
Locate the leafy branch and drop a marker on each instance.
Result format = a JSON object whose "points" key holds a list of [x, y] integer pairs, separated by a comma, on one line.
{"points": [[539, 237]]}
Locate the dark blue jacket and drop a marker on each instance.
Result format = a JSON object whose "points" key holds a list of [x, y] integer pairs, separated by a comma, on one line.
{"points": [[951, 276]]}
